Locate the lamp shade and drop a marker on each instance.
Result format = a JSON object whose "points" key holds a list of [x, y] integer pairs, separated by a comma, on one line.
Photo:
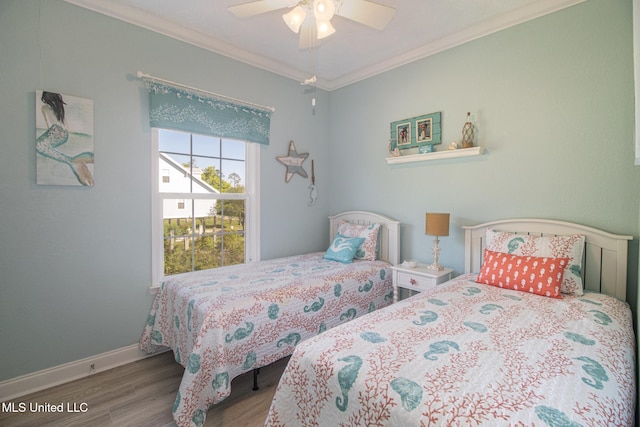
{"points": [[437, 224]]}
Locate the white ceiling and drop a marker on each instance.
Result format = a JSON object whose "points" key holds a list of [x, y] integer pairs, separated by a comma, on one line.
{"points": [[419, 28]]}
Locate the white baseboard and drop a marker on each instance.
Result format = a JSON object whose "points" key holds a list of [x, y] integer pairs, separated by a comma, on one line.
{"points": [[40, 380]]}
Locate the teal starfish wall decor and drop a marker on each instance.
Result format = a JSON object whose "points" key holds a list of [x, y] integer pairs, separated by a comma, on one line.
{"points": [[293, 162]]}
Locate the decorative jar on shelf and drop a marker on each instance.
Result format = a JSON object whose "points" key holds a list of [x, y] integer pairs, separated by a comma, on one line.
{"points": [[467, 133]]}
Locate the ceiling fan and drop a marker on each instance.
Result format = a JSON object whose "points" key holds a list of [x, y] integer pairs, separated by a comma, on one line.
{"points": [[312, 18]]}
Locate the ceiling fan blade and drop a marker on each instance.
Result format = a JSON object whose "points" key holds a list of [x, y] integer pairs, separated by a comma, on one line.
{"points": [[246, 10], [368, 13]]}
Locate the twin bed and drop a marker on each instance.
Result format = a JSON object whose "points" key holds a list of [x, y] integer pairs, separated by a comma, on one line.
{"points": [[507, 351], [527, 346], [224, 322]]}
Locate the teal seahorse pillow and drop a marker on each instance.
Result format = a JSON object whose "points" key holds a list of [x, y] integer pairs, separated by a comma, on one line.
{"points": [[343, 248]]}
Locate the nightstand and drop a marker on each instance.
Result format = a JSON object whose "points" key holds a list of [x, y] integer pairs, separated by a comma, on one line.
{"points": [[418, 279]]}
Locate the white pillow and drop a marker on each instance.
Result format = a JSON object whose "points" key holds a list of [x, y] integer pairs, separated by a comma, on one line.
{"points": [[369, 248], [570, 247]]}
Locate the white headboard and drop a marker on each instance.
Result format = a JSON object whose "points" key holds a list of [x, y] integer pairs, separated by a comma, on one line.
{"points": [[604, 260], [389, 231]]}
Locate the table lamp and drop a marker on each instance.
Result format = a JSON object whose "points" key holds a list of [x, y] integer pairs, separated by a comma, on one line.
{"points": [[436, 224]]}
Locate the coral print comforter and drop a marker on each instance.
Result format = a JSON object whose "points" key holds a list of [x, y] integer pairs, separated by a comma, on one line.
{"points": [[222, 323], [467, 354]]}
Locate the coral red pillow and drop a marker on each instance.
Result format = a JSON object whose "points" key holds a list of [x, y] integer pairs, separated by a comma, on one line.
{"points": [[544, 246], [537, 275]]}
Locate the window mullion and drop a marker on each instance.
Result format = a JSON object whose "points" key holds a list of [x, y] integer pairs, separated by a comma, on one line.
{"points": [[191, 163], [193, 235]]}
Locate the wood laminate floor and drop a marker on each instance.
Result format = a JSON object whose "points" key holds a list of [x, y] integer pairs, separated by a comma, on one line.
{"points": [[142, 394]]}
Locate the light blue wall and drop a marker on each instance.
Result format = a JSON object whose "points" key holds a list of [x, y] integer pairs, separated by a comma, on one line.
{"points": [[75, 262], [552, 100]]}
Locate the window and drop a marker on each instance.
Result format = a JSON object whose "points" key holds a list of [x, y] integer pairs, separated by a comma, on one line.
{"points": [[205, 202], [205, 207]]}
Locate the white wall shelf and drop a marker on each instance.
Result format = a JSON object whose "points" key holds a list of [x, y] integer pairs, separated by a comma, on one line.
{"points": [[436, 155]]}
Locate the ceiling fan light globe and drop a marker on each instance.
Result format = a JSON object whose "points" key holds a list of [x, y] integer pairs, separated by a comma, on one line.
{"points": [[323, 10], [294, 18], [325, 29]]}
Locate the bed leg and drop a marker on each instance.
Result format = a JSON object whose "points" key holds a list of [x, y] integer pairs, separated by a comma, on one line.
{"points": [[255, 379]]}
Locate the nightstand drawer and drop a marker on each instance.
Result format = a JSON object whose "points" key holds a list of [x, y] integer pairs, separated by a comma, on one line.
{"points": [[417, 279], [416, 282]]}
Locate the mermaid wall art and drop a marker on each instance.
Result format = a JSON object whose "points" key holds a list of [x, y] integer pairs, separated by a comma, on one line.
{"points": [[64, 139]]}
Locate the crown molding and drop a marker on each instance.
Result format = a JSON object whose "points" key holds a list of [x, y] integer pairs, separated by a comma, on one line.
{"points": [[170, 29], [471, 33], [212, 44]]}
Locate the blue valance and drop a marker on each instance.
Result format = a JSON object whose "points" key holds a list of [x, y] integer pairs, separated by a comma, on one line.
{"points": [[190, 110]]}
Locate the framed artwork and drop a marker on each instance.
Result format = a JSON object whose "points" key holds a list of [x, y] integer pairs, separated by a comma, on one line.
{"points": [[64, 139], [423, 130], [403, 131], [417, 132]]}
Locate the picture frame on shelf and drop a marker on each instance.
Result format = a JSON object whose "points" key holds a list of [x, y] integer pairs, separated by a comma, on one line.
{"points": [[403, 133], [423, 130], [416, 132]]}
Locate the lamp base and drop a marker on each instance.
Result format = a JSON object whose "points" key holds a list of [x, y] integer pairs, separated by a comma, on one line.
{"points": [[436, 251], [436, 267]]}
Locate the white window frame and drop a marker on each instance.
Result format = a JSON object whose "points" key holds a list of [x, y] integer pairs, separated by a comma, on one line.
{"points": [[252, 208]]}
